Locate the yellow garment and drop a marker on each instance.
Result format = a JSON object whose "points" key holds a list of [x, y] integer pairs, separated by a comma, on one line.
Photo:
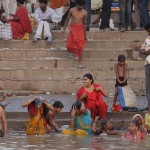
{"points": [[26, 36], [147, 120], [36, 125], [77, 132]]}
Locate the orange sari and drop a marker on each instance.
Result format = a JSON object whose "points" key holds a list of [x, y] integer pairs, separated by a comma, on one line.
{"points": [[54, 4]]}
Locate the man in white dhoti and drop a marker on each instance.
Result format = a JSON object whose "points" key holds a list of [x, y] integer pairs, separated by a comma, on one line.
{"points": [[44, 15]]}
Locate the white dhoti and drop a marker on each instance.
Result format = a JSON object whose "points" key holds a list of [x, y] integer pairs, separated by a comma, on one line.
{"points": [[10, 7], [59, 14], [43, 26]]}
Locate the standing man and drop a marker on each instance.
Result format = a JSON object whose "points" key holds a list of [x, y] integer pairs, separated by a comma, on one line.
{"points": [[89, 12], [105, 15], [144, 14], [145, 49]]}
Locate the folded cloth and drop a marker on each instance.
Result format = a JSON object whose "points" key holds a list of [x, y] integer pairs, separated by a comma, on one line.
{"points": [[76, 39]]}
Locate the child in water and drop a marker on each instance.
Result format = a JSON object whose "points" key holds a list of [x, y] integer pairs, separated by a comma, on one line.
{"points": [[121, 75], [133, 133], [106, 127]]}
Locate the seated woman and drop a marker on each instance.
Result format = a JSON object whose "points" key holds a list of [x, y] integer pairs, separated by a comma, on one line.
{"points": [[106, 127], [91, 94], [140, 122], [36, 123], [133, 133], [80, 121], [20, 23]]}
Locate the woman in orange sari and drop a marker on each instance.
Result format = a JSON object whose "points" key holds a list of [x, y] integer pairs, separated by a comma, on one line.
{"points": [[36, 123], [20, 23], [91, 94]]}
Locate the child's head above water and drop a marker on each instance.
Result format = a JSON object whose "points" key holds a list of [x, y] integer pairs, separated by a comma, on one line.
{"points": [[106, 124], [133, 126]]}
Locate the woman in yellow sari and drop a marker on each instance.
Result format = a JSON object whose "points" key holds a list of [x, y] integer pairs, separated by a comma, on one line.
{"points": [[36, 123]]}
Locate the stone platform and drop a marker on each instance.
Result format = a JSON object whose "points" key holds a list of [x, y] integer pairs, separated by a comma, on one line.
{"points": [[17, 116]]}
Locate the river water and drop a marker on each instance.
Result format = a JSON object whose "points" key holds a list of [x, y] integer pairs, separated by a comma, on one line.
{"points": [[18, 141]]}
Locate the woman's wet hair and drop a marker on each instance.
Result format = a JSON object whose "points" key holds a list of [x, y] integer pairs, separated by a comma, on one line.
{"points": [[134, 123], [77, 104], [43, 1], [58, 104], [20, 1], [80, 2], [89, 76], [103, 123], [121, 58]]}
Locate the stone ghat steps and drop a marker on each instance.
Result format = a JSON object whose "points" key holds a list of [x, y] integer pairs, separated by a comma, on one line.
{"points": [[17, 121], [48, 63], [67, 74], [107, 35], [63, 53], [65, 86], [91, 44]]}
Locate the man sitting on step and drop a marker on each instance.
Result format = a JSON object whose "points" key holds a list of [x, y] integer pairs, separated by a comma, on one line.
{"points": [[44, 15]]}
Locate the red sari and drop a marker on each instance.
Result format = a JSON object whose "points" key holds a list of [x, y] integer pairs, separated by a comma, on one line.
{"points": [[94, 102], [23, 25]]}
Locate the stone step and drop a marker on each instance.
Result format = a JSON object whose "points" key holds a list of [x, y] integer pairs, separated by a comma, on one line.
{"points": [[48, 53], [91, 44], [66, 115], [65, 86], [74, 74], [107, 35], [46, 63], [119, 120]]}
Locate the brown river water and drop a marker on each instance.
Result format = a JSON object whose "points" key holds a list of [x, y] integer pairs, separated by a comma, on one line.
{"points": [[19, 141]]}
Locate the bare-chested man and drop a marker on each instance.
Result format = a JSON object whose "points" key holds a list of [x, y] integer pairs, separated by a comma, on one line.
{"points": [[3, 124], [121, 75], [77, 36]]}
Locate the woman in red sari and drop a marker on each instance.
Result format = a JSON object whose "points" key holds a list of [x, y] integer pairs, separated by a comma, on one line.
{"points": [[91, 94], [20, 23]]}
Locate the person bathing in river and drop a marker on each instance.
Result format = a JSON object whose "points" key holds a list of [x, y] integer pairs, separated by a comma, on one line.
{"points": [[51, 115], [36, 123]]}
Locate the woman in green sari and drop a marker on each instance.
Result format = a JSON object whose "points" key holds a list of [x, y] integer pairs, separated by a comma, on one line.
{"points": [[80, 120]]}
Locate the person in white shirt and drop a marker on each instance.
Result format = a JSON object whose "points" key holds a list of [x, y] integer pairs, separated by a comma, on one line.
{"points": [[44, 15], [145, 49]]}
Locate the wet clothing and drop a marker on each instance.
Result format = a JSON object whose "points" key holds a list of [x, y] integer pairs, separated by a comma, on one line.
{"points": [[94, 102], [36, 123], [76, 39], [121, 79], [83, 125]]}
